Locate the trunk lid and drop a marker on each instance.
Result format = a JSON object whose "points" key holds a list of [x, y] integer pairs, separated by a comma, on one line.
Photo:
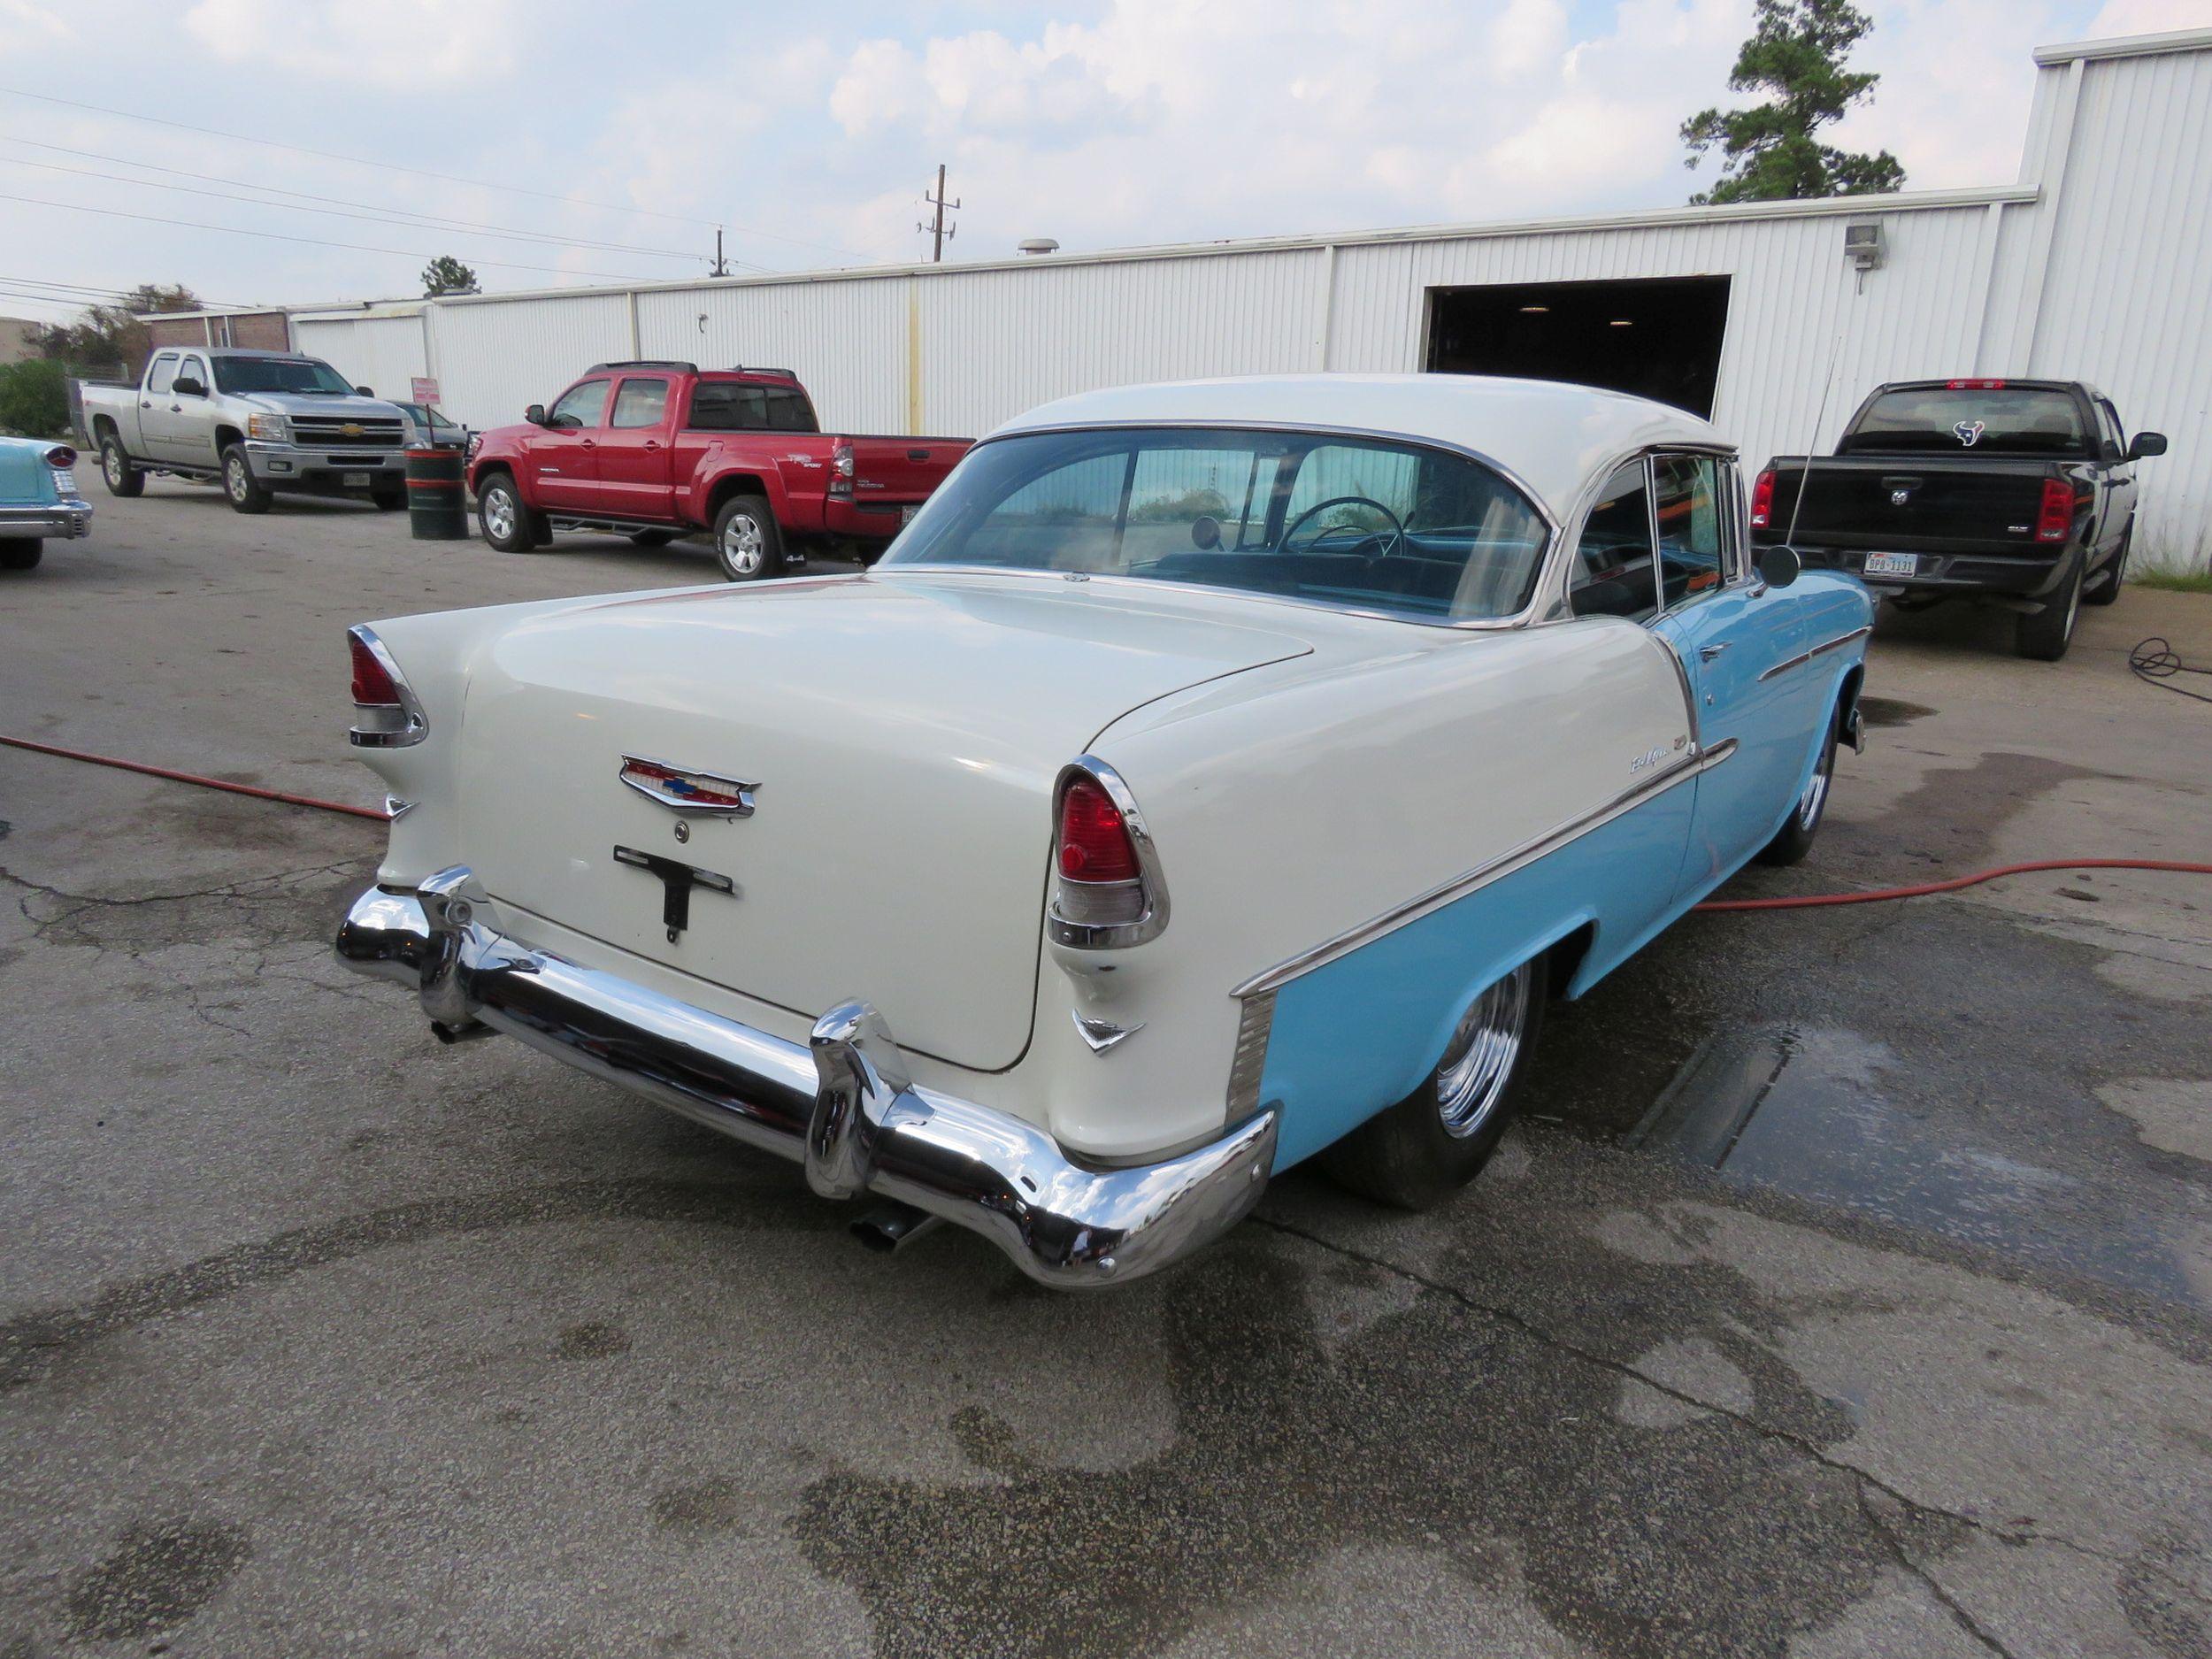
{"points": [[902, 736]]}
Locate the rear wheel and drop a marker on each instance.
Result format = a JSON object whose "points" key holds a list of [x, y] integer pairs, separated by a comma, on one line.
{"points": [[747, 543], [240, 486], [116, 471], [651, 538], [1431, 1144], [2109, 580], [2044, 635], [18, 554], [1794, 839], [506, 522]]}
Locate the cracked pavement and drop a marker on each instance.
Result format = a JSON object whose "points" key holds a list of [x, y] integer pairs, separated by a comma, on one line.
{"points": [[1848, 1289]]}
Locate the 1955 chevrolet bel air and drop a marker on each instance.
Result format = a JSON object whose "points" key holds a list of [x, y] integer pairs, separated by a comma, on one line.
{"points": [[1213, 776]]}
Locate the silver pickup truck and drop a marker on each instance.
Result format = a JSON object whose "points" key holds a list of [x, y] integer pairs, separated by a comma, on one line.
{"points": [[257, 421]]}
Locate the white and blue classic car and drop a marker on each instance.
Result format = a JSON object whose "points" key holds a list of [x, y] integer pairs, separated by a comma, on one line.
{"points": [[1213, 776], [38, 499]]}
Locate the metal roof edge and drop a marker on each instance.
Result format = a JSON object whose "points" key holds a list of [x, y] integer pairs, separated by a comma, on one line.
{"points": [[2125, 46]]}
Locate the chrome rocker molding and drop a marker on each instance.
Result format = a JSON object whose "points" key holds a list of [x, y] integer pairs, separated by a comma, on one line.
{"points": [[841, 1104]]}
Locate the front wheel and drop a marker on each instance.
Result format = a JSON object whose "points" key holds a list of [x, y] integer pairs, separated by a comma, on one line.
{"points": [[747, 543], [506, 522], [17, 554], [1794, 839], [116, 471], [243, 488], [1431, 1143], [2043, 636]]}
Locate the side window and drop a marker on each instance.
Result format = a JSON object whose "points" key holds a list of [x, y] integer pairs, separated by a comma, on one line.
{"points": [[580, 405], [193, 368], [1612, 571], [640, 404], [1691, 545], [164, 371], [1171, 489], [2108, 424]]}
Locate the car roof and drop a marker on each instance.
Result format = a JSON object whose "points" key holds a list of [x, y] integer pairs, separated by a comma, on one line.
{"points": [[246, 351], [1553, 437]]}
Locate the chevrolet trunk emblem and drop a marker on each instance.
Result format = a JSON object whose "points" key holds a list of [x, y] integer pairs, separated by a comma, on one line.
{"points": [[682, 790]]}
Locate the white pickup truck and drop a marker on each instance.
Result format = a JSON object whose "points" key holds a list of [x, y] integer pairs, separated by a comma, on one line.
{"points": [[258, 422]]}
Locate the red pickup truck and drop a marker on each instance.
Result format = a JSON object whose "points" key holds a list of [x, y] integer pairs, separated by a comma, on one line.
{"points": [[655, 451]]}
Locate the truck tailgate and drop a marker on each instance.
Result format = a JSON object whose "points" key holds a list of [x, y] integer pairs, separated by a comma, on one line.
{"points": [[890, 471], [1908, 501]]}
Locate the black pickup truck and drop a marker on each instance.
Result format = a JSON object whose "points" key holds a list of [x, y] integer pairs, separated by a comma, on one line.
{"points": [[2018, 493]]}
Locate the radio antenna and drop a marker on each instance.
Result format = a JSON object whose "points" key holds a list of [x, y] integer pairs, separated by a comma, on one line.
{"points": [[1805, 476]]}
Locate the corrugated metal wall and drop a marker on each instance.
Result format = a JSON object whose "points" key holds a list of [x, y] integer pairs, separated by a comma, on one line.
{"points": [[382, 353], [2101, 275]]}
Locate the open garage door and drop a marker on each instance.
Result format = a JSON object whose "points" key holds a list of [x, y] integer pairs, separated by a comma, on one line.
{"points": [[1659, 338]]}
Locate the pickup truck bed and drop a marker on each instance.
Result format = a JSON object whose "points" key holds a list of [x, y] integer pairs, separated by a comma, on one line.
{"points": [[2019, 493]]}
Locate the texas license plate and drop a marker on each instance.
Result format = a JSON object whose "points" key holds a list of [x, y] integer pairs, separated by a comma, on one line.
{"points": [[356, 481], [1893, 563]]}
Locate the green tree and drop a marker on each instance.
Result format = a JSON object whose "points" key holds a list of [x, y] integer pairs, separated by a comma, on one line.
{"points": [[110, 336], [1769, 151], [445, 274], [34, 398]]}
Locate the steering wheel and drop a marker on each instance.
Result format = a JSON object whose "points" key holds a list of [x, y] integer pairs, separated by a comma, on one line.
{"points": [[1395, 537]]}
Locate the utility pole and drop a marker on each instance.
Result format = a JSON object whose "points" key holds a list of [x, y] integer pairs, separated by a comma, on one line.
{"points": [[936, 228], [721, 265]]}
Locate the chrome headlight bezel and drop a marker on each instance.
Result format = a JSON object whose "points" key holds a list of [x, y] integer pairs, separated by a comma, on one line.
{"points": [[269, 428]]}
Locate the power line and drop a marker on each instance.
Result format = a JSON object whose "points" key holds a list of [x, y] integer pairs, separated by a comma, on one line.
{"points": [[318, 242], [425, 173], [411, 222], [393, 215]]}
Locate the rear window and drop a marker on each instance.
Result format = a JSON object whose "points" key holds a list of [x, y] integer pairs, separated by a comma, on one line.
{"points": [[2018, 419], [736, 406]]}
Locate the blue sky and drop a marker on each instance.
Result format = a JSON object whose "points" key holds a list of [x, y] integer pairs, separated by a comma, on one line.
{"points": [[811, 132]]}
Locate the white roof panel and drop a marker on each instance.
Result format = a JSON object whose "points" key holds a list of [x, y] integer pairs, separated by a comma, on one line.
{"points": [[1551, 435]]}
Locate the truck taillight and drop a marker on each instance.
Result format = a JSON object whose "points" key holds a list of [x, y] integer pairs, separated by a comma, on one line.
{"points": [[386, 714], [1975, 385], [1763, 499], [2055, 520], [841, 468], [1108, 890]]}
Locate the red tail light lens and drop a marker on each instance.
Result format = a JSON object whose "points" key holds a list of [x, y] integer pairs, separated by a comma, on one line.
{"points": [[1094, 844], [373, 686], [1974, 386], [1763, 499], [61, 455], [2055, 521]]}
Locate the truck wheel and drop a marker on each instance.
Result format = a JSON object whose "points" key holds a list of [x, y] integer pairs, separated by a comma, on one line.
{"points": [[507, 524], [1430, 1143], [2044, 634], [116, 471], [243, 488], [389, 497], [747, 543], [651, 538], [17, 554], [1794, 839], [2107, 587]]}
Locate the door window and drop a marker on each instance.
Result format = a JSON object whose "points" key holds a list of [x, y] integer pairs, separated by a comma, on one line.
{"points": [[580, 406], [2109, 426], [164, 371], [192, 369], [1612, 571], [640, 404], [1687, 504]]}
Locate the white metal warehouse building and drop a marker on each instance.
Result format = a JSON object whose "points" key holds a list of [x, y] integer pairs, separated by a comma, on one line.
{"points": [[2096, 264]]}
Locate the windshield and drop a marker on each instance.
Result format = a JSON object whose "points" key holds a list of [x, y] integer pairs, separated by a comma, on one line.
{"points": [[2023, 419], [279, 374], [1355, 522]]}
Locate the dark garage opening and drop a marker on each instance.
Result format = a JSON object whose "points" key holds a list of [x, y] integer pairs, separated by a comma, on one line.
{"points": [[1658, 338]]}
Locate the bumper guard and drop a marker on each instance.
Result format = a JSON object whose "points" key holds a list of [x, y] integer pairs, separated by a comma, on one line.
{"points": [[842, 1104]]}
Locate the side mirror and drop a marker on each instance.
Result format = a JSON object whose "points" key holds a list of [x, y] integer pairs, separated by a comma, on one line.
{"points": [[1205, 532], [2146, 444], [187, 386], [1779, 566], [363, 391], [534, 414]]}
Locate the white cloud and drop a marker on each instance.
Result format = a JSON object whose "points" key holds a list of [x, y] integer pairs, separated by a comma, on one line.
{"points": [[2148, 17], [394, 43]]}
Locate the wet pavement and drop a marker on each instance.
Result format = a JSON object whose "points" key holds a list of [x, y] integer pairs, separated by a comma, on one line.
{"points": [[1845, 1291]]}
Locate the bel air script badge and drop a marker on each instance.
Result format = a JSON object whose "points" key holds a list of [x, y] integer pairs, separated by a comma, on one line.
{"points": [[682, 790]]}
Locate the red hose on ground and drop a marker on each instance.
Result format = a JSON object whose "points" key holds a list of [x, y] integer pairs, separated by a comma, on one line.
{"points": [[1808, 901], [205, 783]]}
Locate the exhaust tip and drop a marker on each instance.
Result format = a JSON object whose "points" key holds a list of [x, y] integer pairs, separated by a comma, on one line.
{"points": [[893, 1226]]}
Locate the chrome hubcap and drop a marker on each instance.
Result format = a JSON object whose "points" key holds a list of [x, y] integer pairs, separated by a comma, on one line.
{"points": [[114, 458], [1815, 795], [742, 545], [234, 471], [1479, 1062], [499, 514]]}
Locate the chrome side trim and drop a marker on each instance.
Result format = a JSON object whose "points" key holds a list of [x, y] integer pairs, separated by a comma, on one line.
{"points": [[414, 724], [1084, 935], [840, 1103], [1682, 768], [1255, 1025], [1803, 657]]}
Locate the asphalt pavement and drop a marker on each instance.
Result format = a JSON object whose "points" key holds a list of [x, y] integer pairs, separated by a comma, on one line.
{"points": [[1847, 1291]]}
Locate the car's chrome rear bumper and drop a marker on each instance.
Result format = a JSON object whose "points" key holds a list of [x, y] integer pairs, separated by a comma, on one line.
{"points": [[841, 1105], [67, 519]]}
